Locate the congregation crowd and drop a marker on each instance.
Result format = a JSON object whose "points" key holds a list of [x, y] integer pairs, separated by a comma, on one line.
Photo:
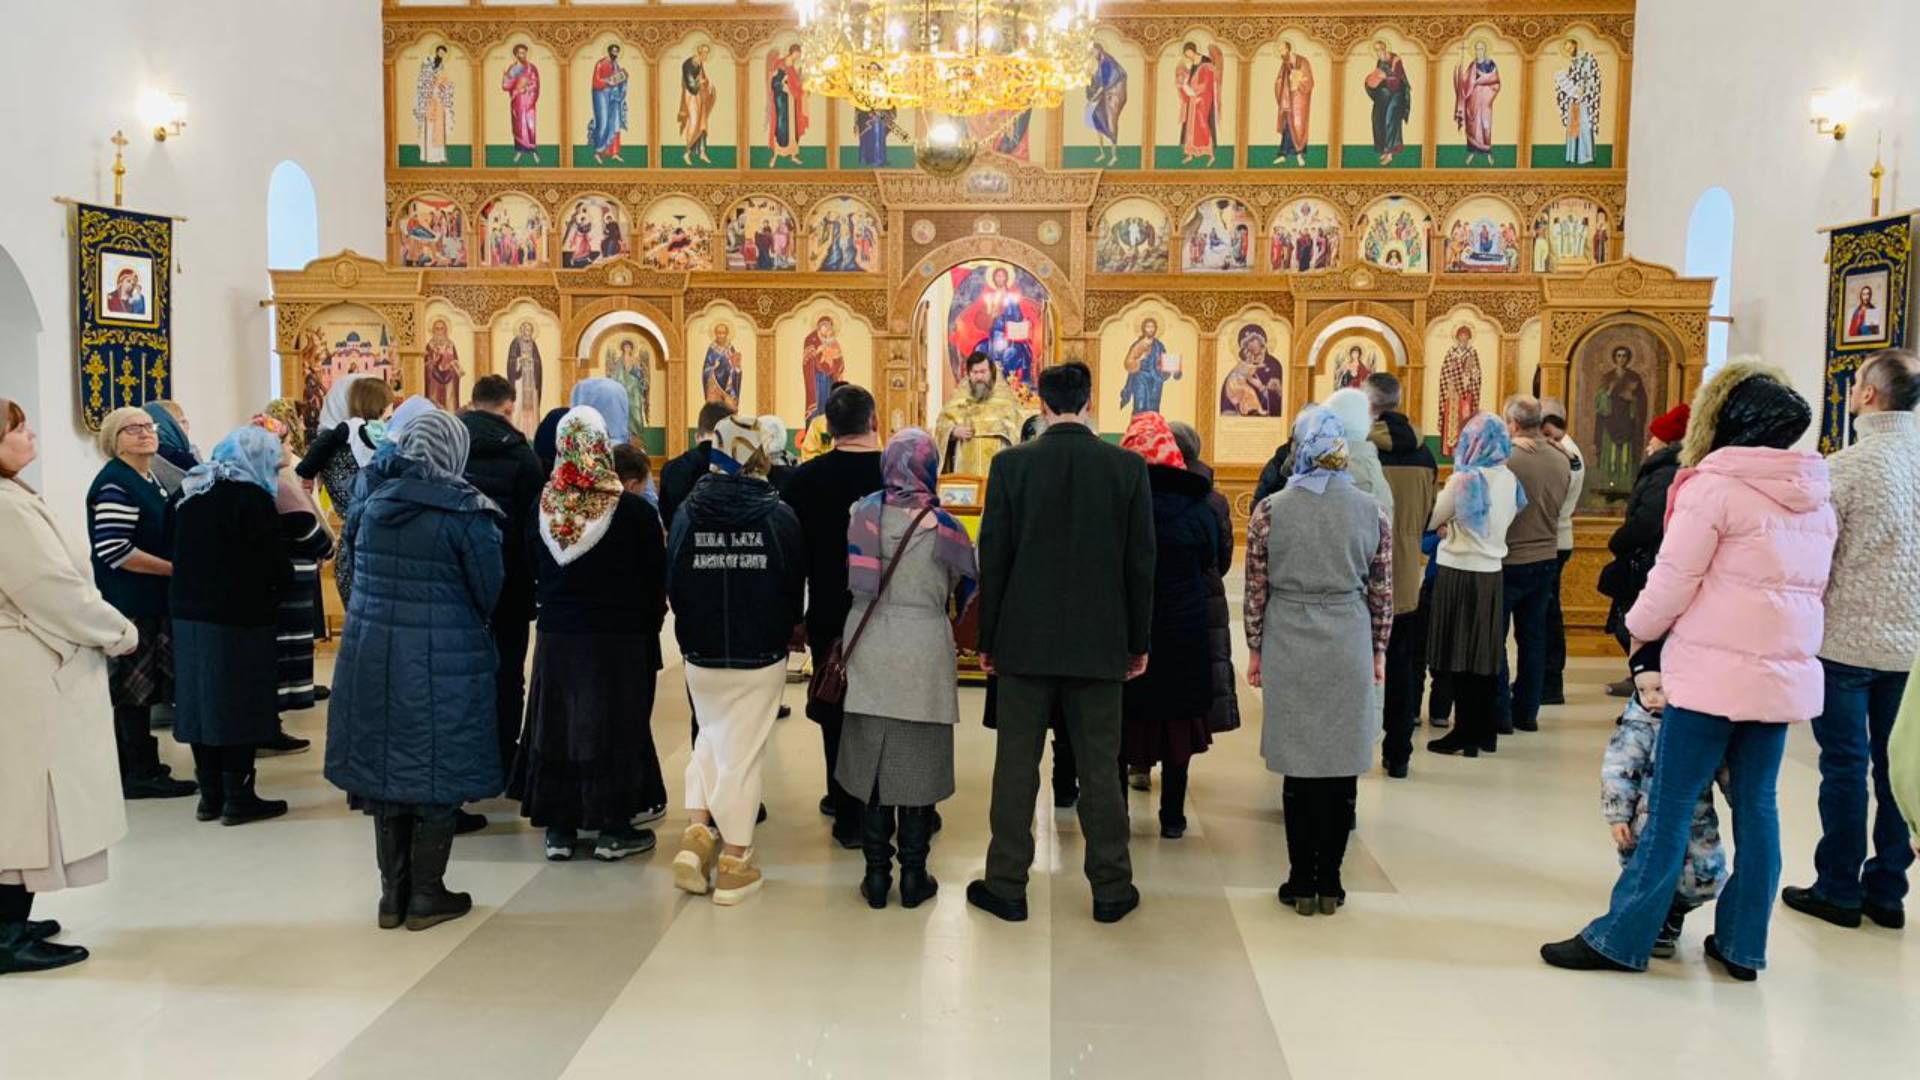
{"points": [[1753, 586]]}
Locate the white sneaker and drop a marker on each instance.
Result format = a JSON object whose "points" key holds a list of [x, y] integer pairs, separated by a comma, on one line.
{"points": [[649, 816], [693, 867]]}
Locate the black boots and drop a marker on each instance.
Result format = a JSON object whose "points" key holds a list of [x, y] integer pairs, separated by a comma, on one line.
{"points": [[876, 839], [1173, 801], [1319, 816], [916, 825], [916, 842], [1334, 823], [142, 774], [1298, 890], [428, 902], [240, 805], [393, 848], [213, 793]]}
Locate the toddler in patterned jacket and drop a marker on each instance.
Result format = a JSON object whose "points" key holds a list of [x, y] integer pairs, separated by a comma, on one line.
{"points": [[1626, 781]]}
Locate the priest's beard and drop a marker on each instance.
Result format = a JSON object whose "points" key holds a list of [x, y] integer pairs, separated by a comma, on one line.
{"points": [[979, 391]]}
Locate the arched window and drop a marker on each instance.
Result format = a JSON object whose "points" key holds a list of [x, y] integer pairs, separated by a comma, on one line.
{"points": [[293, 238], [1710, 254]]}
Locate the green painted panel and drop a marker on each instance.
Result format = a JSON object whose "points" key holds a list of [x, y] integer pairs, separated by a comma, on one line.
{"points": [[898, 157], [631, 157], [458, 157], [1455, 157], [1554, 156], [722, 157], [1171, 157], [502, 157], [811, 157], [1366, 157], [1097, 157], [1262, 157]]}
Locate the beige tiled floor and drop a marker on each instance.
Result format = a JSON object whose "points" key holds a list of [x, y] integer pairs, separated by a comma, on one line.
{"points": [[251, 952]]}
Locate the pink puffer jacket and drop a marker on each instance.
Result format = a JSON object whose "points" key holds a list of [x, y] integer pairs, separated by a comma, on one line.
{"points": [[1739, 584]]}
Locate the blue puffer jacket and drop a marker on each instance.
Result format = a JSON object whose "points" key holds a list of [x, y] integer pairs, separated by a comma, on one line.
{"points": [[412, 714]]}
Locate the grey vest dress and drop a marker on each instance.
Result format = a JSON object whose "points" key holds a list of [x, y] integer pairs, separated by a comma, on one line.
{"points": [[1319, 715]]}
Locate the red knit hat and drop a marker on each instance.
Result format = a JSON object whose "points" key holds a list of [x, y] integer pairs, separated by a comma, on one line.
{"points": [[1671, 427]]}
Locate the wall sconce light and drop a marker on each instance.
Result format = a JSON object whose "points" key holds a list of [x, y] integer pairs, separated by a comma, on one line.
{"points": [[1833, 110], [164, 114]]}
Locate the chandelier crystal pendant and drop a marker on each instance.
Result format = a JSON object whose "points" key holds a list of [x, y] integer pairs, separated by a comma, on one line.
{"points": [[957, 58]]}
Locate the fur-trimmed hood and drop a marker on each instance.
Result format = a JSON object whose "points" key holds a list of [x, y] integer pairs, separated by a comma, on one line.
{"points": [[1711, 398]]}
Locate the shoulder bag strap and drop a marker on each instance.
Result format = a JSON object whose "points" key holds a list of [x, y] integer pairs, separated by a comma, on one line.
{"points": [[886, 578]]}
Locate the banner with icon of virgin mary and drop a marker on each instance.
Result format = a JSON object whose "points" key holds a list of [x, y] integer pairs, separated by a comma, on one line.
{"points": [[123, 295], [1869, 284]]}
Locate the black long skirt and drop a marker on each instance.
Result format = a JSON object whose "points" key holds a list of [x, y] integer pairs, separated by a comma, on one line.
{"points": [[587, 759], [226, 693]]}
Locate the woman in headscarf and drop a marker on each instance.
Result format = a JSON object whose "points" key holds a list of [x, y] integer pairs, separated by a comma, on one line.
{"points": [[736, 576], [587, 760], [1466, 638], [779, 452], [177, 456], [56, 632], [1164, 713], [352, 430], [609, 399], [546, 439], [1737, 595], [130, 529], [308, 542], [1319, 610], [411, 728], [231, 568], [1224, 716], [896, 745]]}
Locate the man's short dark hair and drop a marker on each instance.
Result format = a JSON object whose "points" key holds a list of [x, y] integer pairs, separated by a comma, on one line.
{"points": [[711, 414], [849, 411], [1383, 392], [1066, 388], [492, 390], [1895, 373], [630, 464], [979, 357]]}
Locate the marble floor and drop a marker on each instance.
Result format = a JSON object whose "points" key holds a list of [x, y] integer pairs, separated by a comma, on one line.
{"points": [[252, 952]]}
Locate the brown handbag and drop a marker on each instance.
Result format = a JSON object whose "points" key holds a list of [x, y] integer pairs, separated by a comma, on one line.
{"points": [[829, 685]]}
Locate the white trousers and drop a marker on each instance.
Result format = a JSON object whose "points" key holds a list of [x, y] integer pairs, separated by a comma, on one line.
{"points": [[736, 710]]}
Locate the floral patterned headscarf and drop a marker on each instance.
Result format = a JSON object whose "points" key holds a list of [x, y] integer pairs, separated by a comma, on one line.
{"points": [[1149, 436], [910, 471], [1319, 449], [576, 506], [287, 411], [1484, 444]]}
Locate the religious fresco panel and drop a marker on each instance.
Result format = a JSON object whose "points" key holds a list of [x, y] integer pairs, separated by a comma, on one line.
{"points": [[433, 105], [1385, 103], [1396, 234], [819, 343], [787, 127], [1251, 353], [1576, 102], [1149, 362], [1462, 376], [722, 345], [449, 356], [1572, 234], [676, 233], [339, 340], [525, 344], [699, 103], [1106, 123], [761, 234], [609, 103], [630, 355], [1217, 237], [1195, 104], [515, 231], [521, 83], [1306, 235], [843, 237], [1482, 73], [1291, 115], [1482, 236], [1134, 236], [431, 232], [1619, 377]]}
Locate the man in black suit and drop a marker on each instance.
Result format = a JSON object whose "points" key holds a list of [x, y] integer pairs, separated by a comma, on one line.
{"points": [[1066, 601]]}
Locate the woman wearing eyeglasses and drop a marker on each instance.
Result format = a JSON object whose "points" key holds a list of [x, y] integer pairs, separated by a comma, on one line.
{"points": [[130, 531]]}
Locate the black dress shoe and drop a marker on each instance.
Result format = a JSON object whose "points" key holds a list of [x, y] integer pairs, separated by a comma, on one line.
{"points": [[1808, 902], [1173, 828], [1892, 918], [1453, 743], [321, 693], [1064, 800], [826, 805], [1739, 972], [158, 785], [1574, 954], [23, 955], [42, 929], [1553, 697], [784, 712], [1397, 771], [465, 822], [761, 818], [1006, 910], [1524, 725], [1112, 911], [283, 743]]}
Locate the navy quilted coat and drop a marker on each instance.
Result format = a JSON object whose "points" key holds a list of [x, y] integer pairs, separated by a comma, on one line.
{"points": [[412, 714]]}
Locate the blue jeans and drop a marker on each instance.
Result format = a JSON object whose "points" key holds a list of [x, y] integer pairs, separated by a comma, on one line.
{"points": [[1528, 591], [1853, 731], [1692, 745]]}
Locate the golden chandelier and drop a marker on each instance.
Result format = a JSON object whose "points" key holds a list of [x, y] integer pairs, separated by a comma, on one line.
{"points": [[959, 58]]}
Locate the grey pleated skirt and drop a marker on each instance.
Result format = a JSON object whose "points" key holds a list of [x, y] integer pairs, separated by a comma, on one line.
{"points": [[1464, 628], [904, 762]]}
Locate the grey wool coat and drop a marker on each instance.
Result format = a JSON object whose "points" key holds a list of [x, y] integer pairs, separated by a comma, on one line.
{"points": [[1320, 716], [903, 668]]}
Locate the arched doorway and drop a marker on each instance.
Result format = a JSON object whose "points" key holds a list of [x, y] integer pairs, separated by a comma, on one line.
{"points": [[631, 349], [989, 304], [19, 342]]}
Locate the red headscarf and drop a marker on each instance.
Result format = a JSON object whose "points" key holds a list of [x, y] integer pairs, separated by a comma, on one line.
{"points": [[1149, 436]]}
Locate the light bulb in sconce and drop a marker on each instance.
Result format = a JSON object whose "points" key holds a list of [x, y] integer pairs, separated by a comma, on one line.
{"points": [[163, 113], [1833, 109]]}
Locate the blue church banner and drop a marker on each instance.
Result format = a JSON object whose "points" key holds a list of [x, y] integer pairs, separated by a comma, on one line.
{"points": [[123, 295], [1869, 276]]}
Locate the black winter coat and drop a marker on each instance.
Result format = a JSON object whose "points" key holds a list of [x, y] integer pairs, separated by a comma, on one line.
{"points": [[678, 478], [1189, 551], [1225, 714], [736, 574], [1636, 542], [504, 468], [412, 718], [1275, 474], [230, 560]]}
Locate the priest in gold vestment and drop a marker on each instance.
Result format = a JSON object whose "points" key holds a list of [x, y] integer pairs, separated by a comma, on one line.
{"points": [[982, 420]]}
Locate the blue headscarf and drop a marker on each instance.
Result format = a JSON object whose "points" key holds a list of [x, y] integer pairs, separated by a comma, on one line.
{"points": [[1319, 449], [174, 445], [609, 399], [250, 455], [1484, 444], [405, 414]]}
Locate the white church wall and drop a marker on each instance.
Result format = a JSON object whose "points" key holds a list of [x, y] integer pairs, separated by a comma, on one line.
{"points": [[1722, 89], [266, 80]]}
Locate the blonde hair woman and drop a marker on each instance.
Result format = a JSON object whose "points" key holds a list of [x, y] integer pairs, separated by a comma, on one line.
{"points": [[60, 804]]}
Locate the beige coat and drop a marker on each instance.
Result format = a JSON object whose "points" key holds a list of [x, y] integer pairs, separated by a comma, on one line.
{"points": [[56, 727]]}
